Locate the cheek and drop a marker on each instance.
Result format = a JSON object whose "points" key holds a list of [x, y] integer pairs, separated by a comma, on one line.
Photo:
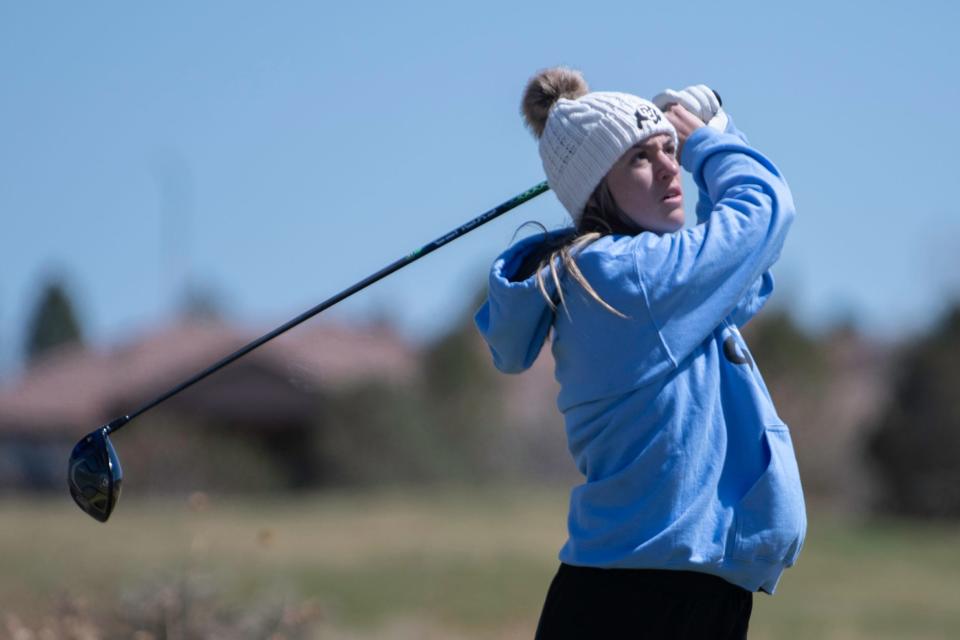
{"points": [[631, 190]]}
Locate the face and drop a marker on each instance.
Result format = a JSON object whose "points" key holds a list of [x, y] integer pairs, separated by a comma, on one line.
{"points": [[645, 183]]}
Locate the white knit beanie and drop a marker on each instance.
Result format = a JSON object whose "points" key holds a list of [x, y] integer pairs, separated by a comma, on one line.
{"points": [[584, 134]]}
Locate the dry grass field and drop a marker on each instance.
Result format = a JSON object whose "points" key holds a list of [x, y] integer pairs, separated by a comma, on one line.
{"points": [[412, 563]]}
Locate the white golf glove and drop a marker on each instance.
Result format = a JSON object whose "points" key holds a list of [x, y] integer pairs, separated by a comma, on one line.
{"points": [[698, 99]]}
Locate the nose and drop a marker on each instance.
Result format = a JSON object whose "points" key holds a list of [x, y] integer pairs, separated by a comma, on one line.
{"points": [[667, 166]]}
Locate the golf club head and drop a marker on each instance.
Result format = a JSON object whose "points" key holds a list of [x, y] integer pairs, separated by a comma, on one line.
{"points": [[94, 475]]}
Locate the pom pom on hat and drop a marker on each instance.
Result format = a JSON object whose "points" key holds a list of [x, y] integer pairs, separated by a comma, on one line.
{"points": [[544, 89]]}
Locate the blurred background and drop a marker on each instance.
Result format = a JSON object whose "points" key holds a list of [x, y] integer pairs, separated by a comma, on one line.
{"points": [[180, 178]]}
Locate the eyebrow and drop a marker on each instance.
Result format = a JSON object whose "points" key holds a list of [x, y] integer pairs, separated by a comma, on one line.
{"points": [[643, 145]]}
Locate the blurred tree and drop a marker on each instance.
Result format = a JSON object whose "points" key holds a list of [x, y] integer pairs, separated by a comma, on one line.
{"points": [[915, 447], [798, 374], [435, 427], [456, 363], [464, 395], [53, 321], [782, 349], [201, 302], [378, 433]]}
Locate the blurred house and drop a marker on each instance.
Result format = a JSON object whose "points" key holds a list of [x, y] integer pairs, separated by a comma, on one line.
{"points": [[269, 396], [260, 422]]}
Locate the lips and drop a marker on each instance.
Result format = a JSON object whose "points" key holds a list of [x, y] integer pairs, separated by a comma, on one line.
{"points": [[673, 192]]}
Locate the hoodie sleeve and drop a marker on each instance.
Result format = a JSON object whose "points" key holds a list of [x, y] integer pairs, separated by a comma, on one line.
{"points": [[704, 203], [762, 288], [751, 303], [515, 318], [696, 278]]}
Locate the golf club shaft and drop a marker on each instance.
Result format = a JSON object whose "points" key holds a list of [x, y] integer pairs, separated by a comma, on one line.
{"points": [[346, 293]]}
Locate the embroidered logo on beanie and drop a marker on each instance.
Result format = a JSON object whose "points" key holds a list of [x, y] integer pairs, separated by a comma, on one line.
{"points": [[646, 114]]}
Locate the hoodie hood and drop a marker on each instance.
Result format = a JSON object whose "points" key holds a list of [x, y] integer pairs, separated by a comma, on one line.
{"points": [[516, 318]]}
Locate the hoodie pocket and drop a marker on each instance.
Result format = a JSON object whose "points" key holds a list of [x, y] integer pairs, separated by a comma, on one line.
{"points": [[771, 516]]}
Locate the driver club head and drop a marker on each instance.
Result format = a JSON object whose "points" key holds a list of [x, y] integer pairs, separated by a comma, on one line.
{"points": [[94, 474]]}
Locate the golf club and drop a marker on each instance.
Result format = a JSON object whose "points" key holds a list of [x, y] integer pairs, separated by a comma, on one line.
{"points": [[93, 472]]}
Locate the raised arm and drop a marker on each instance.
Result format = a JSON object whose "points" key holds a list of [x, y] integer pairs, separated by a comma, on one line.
{"points": [[696, 278]]}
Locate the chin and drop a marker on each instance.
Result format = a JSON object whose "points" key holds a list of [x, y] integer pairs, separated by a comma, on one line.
{"points": [[676, 218]]}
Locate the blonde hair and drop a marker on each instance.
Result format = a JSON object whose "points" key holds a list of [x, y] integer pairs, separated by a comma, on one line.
{"points": [[601, 217]]}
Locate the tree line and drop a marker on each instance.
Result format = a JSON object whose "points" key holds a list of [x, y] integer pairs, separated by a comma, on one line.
{"points": [[453, 423]]}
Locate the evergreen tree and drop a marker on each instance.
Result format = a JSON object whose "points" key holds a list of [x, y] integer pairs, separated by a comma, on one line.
{"points": [[53, 321], [783, 349], [462, 393], [915, 448], [201, 303]]}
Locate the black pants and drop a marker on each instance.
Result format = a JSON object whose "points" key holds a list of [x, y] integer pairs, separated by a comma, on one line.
{"points": [[588, 603]]}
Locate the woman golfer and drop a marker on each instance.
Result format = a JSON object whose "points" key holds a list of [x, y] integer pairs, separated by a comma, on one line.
{"points": [[691, 499]]}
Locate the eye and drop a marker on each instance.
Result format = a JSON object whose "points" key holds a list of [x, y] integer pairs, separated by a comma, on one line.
{"points": [[640, 156]]}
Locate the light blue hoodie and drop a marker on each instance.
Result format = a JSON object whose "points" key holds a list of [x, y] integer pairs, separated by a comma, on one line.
{"points": [[687, 464]]}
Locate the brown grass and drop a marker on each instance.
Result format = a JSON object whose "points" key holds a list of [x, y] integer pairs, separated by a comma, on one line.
{"points": [[439, 563]]}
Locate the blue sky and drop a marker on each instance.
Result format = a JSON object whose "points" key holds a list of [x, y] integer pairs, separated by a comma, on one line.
{"points": [[277, 153]]}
